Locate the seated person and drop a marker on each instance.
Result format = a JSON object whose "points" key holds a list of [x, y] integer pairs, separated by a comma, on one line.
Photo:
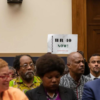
{"points": [[75, 78], [50, 67], [25, 65], [94, 65], [91, 90], [13, 72], [6, 92]]}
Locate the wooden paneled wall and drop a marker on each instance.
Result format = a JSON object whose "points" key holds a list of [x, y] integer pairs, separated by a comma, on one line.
{"points": [[79, 24]]}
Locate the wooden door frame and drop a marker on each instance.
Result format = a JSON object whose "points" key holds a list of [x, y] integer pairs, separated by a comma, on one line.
{"points": [[79, 24]]}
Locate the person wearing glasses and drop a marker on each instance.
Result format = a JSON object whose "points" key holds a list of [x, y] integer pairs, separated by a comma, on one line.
{"points": [[50, 67], [6, 92], [13, 72], [25, 66]]}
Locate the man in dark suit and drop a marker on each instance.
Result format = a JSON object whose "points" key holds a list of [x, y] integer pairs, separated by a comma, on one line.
{"points": [[94, 65], [92, 90]]}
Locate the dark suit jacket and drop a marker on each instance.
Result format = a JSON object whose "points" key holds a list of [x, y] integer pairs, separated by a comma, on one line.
{"points": [[39, 94], [92, 90]]}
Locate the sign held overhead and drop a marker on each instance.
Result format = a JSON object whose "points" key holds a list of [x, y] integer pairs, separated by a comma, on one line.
{"points": [[62, 43]]}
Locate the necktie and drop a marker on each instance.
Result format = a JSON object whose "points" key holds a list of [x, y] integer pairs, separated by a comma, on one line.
{"points": [[95, 78]]}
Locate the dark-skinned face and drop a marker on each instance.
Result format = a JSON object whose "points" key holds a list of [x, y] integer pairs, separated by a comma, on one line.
{"points": [[76, 65], [51, 81], [27, 67]]}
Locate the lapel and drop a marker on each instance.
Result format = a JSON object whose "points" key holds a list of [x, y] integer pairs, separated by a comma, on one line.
{"points": [[63, 93], [41, 93], [42, 96]]}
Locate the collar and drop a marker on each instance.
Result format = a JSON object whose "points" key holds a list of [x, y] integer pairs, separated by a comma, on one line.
{"points": [[78, 83], [64, 92], [92, 77], [42, 90], [52, 97]]}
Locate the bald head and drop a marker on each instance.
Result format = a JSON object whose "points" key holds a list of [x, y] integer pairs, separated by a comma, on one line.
{"points": [[72, 56], [75, 63]]}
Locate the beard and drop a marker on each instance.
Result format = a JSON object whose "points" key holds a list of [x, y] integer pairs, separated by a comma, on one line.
{"points": [[28, 75], [96, 72]]}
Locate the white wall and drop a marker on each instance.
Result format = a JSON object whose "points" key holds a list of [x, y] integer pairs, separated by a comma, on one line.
{"points": [[24, 28]]}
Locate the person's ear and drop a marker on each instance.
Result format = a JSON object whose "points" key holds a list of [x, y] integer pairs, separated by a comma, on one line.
{"points": [[89, 65], [68, 65], [17, 71]]}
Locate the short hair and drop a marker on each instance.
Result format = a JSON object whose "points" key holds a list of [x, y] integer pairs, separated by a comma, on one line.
{"points": [[49, 62], [16, 63], [12, 68], [3, 63], [81, 52], [71, 55], [93, 56]]}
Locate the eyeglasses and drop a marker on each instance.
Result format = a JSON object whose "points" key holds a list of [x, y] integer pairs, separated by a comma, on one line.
{"points": [[26, 65], [5, 77]]}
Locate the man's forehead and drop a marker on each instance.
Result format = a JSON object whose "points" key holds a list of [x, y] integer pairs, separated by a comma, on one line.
{"points": [[95, 58], [76, 56], [25, 58]]}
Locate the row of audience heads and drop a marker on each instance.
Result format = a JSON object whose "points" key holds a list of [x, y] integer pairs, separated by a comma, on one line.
{"points": [[24, 64], [19, 67], [49, 68]]}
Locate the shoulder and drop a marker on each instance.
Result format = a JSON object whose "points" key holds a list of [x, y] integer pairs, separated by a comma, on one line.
{"points": [[64, 81], [16, 94], [37, 79], [12, 82], [93, 83], [86, 79], [91, 90], [67, 92], [14, 90], [32, 91], [64, 78], [65, 89], [33, 94], [15, 81]]}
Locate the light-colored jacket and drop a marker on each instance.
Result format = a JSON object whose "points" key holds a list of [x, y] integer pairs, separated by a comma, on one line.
{"points": [[14, 94]]}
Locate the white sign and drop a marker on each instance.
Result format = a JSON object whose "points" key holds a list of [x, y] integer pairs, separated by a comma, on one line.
{"points": [[62, 43]]}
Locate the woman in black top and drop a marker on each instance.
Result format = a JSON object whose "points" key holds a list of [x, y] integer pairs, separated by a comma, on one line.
{"points": [[49, 68]]}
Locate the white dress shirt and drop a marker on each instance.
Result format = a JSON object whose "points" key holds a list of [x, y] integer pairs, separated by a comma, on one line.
{"points": [[92, 77]]}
